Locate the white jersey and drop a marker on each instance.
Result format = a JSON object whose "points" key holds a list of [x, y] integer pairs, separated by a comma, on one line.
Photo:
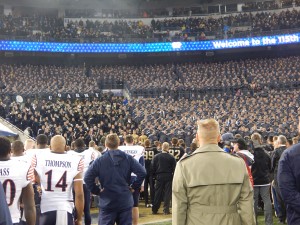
{"points": [[32, 152], [23, 158], [87, 155], [14, 175], [56, 172], [97, 153], [136, 151]]}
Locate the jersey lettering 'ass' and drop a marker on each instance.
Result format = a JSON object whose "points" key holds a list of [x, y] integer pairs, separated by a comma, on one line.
{"points": [[4, 172], [54, 163]]}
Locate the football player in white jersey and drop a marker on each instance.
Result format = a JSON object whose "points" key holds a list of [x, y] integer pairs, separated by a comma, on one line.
{"points": [[29, 144], [137, 152], [58, 173], [41, 146], [16, 178], [88, 156], [17, 150], [92, 146]]}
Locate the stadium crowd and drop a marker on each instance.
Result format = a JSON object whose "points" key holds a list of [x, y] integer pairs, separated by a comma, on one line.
{"points": [[248, 76], [246, 96], [30, 79], [53, 29]]}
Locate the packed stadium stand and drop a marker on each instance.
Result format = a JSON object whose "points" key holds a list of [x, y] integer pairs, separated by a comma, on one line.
{"points": [[152, 72], [243, 24], [245, 96]]}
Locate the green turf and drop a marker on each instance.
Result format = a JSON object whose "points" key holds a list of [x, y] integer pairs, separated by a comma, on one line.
{"points": [[261, 221]]}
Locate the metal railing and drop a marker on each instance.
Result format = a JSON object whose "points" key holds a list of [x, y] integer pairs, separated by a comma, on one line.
{"points": [[9, 124]]}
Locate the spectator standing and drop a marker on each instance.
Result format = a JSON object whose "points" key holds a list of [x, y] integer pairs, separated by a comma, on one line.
{"points": [[278, 204], [261, 176], [163, 167], [240, 148], [211, 186], [114, 170], [289, 182]]}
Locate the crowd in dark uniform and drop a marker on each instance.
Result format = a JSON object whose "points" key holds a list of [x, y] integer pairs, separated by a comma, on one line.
{"points": [[168, 124]]}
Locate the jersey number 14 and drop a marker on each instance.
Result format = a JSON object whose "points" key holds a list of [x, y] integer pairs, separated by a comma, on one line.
{"points": [[62, 183]]}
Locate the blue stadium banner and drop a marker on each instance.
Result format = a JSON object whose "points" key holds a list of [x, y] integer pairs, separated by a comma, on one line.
{"points": [[149, 47]]}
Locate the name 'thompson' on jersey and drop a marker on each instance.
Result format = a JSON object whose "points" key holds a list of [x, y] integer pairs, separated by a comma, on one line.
{"points": [[14, 175], [57, 172]]}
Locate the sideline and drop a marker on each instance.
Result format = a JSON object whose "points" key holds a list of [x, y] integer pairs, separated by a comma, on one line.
{"points": [[157, 221]]}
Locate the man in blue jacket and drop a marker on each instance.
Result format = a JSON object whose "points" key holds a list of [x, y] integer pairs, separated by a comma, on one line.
{"points": [[288, 176], [5, 218], [114, 170]]}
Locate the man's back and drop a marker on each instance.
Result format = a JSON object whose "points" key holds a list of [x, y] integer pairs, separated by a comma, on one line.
{"points": [[213, 184], [261, 167], [149, 154], [275, 160], [5, 217], [114, 172], [289, 182], [56, 172], [14, 175], [177, 152], [87, 156], [163, 163]]}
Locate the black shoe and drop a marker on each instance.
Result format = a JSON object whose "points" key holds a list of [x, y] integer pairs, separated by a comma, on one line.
{"points": [[166, 213], [154, 212]]}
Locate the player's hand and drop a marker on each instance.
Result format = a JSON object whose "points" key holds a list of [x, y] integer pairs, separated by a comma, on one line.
{"points": [[131, 189], [142, 189]]}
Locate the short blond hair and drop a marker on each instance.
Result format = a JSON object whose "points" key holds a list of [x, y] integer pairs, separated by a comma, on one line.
{"points": [[165, 146], [208, 129], [112, 141], [29, 144], [92, 144]]}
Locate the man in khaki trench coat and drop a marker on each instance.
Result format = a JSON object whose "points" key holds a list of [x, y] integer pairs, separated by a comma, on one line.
{"points": [[211, 187]]}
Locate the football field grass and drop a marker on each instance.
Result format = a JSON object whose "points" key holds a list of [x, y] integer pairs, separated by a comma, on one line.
{"points": [[146, 217], [261, 221]]}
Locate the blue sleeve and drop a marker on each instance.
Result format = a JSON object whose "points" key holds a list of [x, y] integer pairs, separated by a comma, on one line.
{"points": [[90, 176], [142, 160], [5, 218], [287, 183], [139, 171], [273, 161]]}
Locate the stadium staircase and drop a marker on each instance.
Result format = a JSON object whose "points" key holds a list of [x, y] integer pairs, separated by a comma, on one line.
{"points": [[21, 135]]}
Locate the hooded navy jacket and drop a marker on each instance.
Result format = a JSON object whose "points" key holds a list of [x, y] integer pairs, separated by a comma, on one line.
{"points": [[114, 170], [5, 218], [288, 177]]}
